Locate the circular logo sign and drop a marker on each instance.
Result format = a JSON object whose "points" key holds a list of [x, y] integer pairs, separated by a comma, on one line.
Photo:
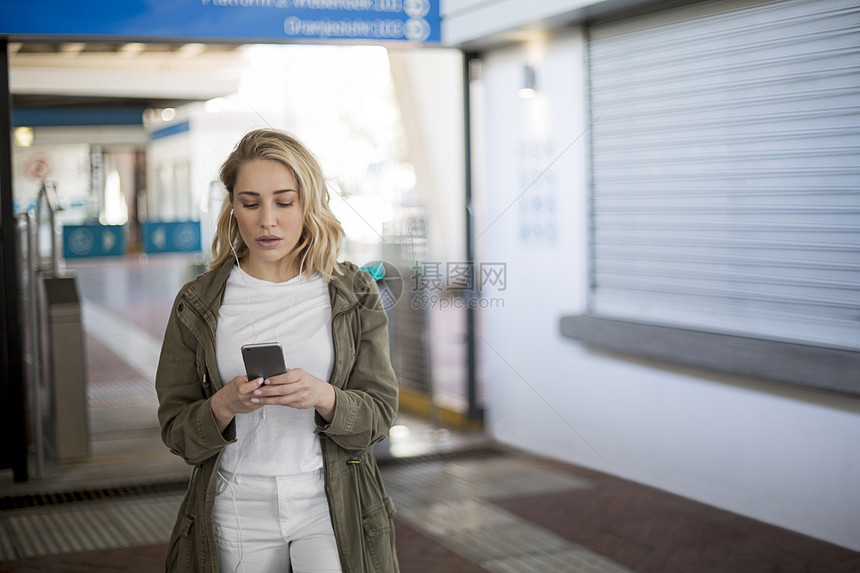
{"points": [[81, 242], [185, 237], [416, 8], [417, 30], [38, 166]]}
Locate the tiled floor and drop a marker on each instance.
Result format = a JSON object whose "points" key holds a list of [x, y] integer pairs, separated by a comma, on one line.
{"points": [[495, 510], [464, 504]]}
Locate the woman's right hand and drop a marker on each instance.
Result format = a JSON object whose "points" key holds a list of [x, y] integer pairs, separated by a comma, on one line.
{"points": [[237, 397]]}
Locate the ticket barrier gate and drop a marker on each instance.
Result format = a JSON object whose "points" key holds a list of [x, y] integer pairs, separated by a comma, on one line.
{"points": [[67, 389]]}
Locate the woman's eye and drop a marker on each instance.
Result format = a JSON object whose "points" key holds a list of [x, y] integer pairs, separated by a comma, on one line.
{"points": [[285, 204], [250, 205]]}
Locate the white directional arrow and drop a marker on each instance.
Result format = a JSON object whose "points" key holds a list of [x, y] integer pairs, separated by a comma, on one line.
{"points": [[159, 238], [108, 240]]}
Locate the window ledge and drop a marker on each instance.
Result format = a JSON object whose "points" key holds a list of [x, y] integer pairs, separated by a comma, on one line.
{"points": [[815, 366]]}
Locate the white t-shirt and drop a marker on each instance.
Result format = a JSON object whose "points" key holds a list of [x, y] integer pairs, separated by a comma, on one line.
{"points": [[275, 440]]}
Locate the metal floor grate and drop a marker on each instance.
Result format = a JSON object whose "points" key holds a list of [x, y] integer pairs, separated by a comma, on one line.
{"points": [[474, 453], [56, 498], [48, 499], [75, 528], [447, 496]]}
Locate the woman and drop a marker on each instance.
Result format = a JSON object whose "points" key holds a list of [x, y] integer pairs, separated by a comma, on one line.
{"points": [[284, 475]]}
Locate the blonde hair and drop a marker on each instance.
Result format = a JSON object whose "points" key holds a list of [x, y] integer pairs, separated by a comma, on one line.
{"points": [[322, 234]]}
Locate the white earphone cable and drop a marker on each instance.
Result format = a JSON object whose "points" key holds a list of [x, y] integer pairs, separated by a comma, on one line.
{"points": [[231, 483]]}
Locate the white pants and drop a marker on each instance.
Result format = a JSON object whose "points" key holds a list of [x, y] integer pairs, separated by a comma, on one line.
{"points": [[274, 524]]}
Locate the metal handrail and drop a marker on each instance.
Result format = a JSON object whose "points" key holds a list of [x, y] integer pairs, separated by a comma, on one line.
{"points": [[48, 196], [28, 226], [33, 221]]}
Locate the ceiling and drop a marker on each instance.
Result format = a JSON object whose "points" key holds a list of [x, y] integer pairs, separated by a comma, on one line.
{"points": [[103, 75], [126, 48], [41, 101]]}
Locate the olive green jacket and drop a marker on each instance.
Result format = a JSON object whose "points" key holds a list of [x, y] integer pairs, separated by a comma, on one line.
{"points": [[366, 403]]}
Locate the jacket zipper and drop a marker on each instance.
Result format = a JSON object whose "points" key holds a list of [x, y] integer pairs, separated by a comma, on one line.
{"points": [[334, 526], [207, 488], [337, 535]]}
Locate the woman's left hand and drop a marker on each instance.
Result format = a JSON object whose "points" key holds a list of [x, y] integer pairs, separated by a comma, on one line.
{"points": [[297, 389]]}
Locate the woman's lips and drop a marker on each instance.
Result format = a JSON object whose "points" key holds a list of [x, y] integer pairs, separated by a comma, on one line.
{"points": [[268, 241]]}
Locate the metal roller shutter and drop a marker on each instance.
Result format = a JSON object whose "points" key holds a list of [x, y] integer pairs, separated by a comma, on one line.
{"points": [[726, 169]]}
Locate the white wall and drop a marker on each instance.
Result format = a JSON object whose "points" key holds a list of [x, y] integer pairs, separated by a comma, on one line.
{"points": [[781, 454], [163, 191], [69, 170]]}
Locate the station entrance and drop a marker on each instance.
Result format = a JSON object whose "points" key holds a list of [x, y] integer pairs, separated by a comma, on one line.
{"points": [[125, 195]]}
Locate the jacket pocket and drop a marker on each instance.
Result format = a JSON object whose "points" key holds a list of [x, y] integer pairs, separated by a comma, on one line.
{"points": [[379, 540], [180, 552], [376, 522], [377, 517]]}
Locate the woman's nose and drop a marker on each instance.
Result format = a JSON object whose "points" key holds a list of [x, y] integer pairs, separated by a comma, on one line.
{"points": [[267, 217]]}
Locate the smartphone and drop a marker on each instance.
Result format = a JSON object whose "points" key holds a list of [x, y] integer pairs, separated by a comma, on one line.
{"points": [[263, 360]]}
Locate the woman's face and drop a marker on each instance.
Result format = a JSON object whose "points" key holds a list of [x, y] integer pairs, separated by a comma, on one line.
{"points": [[269, 216]]}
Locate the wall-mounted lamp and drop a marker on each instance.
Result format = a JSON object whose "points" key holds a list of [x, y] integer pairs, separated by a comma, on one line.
{"points": [[24, 136], [529, 89]]}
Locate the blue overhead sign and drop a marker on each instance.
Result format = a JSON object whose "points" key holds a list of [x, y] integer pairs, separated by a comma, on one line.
{"points": [[343, 21]]}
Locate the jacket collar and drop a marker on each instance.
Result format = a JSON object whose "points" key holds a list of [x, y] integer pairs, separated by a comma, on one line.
{"points": [[210, 292], [348, 286]]}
